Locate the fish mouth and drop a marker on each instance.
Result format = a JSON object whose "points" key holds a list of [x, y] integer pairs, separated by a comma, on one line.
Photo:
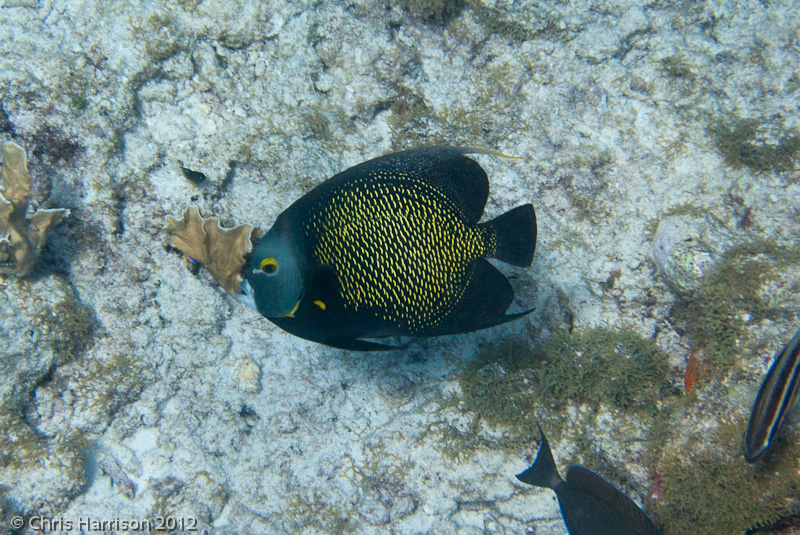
{"points": [[247, 295]]}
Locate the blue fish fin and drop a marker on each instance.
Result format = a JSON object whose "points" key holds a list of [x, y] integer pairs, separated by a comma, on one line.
{"points": [[543, 472], [776, 398]]}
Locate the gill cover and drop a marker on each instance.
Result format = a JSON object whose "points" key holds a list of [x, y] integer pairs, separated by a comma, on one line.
{"points": [[274, 283]]}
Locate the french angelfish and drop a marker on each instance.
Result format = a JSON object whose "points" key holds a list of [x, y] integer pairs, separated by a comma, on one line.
{"points": [[776, 398], [390, 247], [589, 504]]}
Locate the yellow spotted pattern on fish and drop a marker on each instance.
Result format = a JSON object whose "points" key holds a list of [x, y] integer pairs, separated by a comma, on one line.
{"points": [[400, 248], [391, 247]]}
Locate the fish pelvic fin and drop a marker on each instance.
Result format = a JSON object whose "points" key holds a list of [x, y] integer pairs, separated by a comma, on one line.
{"points": [[484, 303], [543, 472], [515, 232]]}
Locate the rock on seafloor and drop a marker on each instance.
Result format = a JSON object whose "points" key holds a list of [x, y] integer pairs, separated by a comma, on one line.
{"points": [[685, 250], [134, 386]]}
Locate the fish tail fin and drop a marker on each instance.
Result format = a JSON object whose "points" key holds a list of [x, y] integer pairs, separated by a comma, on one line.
{"points": [[543, 472], [516, 235]]}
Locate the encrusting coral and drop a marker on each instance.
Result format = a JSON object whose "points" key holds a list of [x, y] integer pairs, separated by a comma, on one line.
{"points": [[21, 238], [220, 250]]}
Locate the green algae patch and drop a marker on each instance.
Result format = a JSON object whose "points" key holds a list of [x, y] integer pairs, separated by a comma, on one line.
{"points": [[409, 118], [26, 455], [313, 510], [677, 67], [707, 488], [436, 12], [499, 386], [317, 125], [619, 368], [161, 35], [683, 209], [733, 296], [75, 324], [79, 101], [756, 144]]}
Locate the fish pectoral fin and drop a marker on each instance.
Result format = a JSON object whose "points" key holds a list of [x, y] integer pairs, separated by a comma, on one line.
{"points": [[291, 313]]}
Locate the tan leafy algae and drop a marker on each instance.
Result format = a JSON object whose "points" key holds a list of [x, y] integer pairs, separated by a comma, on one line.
{"points": [[21, 238], [220, 250]]}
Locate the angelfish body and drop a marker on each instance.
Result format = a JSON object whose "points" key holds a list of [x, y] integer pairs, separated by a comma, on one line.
{"points": [[390, 247]]}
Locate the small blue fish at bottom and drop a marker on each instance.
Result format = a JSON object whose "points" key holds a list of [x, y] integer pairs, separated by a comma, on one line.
{"points": [[777, 396], [589, 504]]}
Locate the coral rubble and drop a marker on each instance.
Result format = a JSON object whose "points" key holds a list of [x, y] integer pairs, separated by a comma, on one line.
{"points": [[21, 238], [220, 250]]}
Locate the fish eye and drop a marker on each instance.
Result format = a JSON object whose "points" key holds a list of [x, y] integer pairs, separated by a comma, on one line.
{"points": [[269, 266]]}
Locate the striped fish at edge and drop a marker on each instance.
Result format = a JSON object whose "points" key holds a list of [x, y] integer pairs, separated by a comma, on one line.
{"points": [[776, 398]]}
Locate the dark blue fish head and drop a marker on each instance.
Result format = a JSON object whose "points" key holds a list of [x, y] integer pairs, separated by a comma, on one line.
{"points": [[275, 281]]}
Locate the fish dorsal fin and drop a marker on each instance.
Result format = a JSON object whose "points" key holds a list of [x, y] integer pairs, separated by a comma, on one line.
{"points": [[459, 178], [582, 479], [543, 472]]}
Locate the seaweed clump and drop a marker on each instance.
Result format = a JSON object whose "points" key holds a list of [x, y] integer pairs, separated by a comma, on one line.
{"points": [[21, 238], [598, 366], [79, 102], [732, 296], [707, 488], [617, 367], [409, 119], [498, 386], [677, 68], [75, 324], [437, 12], [51, 144], [742, 145]]}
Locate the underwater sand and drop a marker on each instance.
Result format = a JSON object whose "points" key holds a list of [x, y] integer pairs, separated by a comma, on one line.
{"points": [[132, 387]]}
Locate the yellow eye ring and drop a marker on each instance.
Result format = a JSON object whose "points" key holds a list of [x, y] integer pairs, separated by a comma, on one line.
{"points": [[269, 266]]}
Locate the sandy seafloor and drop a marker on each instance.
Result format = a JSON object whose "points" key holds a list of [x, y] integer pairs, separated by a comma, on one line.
{"points": [[176, 399]]}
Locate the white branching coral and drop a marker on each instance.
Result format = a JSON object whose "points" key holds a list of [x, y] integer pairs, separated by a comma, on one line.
{"points": [[21, 238], [220, 250]]}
